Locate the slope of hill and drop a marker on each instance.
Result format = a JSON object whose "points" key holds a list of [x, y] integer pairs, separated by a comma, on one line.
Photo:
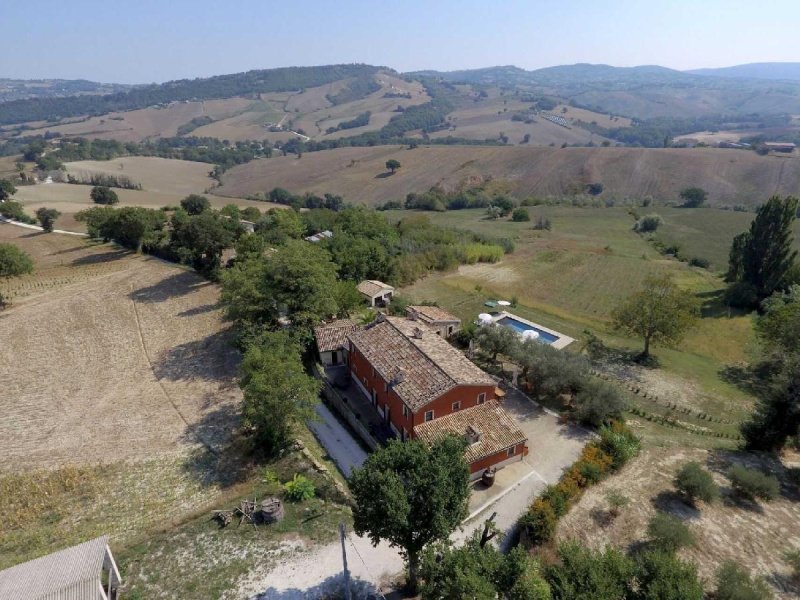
{"points": [[23, 89], [731, 177], [771, 70]]}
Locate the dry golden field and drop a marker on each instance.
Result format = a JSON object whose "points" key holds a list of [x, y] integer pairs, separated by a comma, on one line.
{"points": [[165, 182], [109, 356], [756, 536], [730, 176]]}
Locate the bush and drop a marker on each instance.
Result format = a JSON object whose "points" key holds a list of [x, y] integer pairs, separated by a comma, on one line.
{"points": [[669, 533], [598, 403], [793, 558], [700, 262], [662, 576], [539, 523], [752, 483], [620, 443], [558, 498], [734, 583], [695, 483], [542, 223], [648, 223], [616, 501], [299, 489], [102, 194], [11, 209], [520, 214], [47, 218]]}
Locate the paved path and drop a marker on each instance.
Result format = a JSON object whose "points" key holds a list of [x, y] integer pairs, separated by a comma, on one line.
{"points": [[37, 228], [342, 448]]}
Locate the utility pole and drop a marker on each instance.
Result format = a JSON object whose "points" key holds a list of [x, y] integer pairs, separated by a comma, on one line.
{"points": [[343, 535]]}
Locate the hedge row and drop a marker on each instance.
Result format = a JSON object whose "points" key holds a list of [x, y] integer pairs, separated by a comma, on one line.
{"points": [[616, 446]]}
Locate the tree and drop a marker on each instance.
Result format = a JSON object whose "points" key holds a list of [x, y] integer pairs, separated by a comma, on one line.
{"points": [[763, 257], [280, 225], [411, 496], [778, 328], [495, 340], [195, 204], [663, 576], [694, 197], [278, 394], [648, 223], [47, 218], [14, 262], [520, 214], [658, 313], [581, 573], [752, 483], [348, 299], [668, 533], [695, 483], [200, 240], [250, 213], [102, 194], [777, 414], [7, 190], [392, 165], [132, 226], [734, 583], [599, 403]]}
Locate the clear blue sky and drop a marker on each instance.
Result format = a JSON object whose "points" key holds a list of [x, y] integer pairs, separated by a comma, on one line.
{"points": [[138, 41]]}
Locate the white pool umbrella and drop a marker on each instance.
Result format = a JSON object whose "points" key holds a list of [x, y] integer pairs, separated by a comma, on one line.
{"points": [[504, 303], [485, 319], [530, 334]]}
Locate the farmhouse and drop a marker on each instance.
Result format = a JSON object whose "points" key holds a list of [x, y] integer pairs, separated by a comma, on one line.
{"points": [[332, 341], [86, 571], [376, 292], [787, 147], [413, 378], [444, 323]]}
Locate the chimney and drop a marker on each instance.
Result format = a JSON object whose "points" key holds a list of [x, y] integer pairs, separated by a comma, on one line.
{"points": [[418, 333], [399, 377], [472, 435]]}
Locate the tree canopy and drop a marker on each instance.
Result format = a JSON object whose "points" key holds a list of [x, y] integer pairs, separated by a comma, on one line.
{"points": [[410, 496], [14, 262], [659, 313], [102, 194], [47, 218], [694, 197], [7, 189], [392, 164], [194, 204]]}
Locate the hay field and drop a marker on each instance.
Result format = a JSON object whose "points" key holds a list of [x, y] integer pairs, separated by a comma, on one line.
{"points": [[754, 536], [731, 177], [146, 123], [109, 356], [165, 182]]}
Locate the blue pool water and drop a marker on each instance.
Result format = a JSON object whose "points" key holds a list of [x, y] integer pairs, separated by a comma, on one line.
{"points": [[519, 327]]}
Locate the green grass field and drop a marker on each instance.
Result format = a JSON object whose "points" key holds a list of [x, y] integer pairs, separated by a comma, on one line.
{"points": [[571, 278]]}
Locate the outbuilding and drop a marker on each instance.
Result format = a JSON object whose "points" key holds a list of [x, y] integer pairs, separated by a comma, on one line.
{"points": [[376, 292]]}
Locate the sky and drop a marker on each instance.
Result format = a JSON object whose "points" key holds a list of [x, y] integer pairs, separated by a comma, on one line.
{"points": [[144, 41]]}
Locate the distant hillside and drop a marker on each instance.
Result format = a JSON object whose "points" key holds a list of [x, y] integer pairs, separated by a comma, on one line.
{"points": [[731, 176], [221, 86], [786, 71], [22, 89]]}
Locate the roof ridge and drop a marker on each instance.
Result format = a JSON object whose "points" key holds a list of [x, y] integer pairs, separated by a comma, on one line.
{"points": [[453, 382]]}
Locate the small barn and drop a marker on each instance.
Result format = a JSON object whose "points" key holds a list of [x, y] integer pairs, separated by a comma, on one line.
{"points": [[332, 341], [376, 292], [86, 572], [438, 319]]}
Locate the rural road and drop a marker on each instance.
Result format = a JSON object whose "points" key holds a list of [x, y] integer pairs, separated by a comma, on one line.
{"points": [[37, 228], [341, 447]]}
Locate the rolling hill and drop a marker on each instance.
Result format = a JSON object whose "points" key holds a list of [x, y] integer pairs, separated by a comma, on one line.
{"points": [[770, 70], [731, 177]]}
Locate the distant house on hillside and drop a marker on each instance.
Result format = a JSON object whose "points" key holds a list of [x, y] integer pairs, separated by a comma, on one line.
{"points": [[318, 237], [86, 572], [438, 319], [376, 292], [420, 385], [786, 147]]}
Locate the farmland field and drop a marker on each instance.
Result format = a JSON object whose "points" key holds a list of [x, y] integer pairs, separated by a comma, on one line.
{"points": [[165, 182], [730, 176]]}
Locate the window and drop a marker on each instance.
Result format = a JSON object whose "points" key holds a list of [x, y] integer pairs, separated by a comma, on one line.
{"points": [[405, 411], [429, 415], [385, 386], [405, 434], [481, 397], [373, 371], [511, 451], [456, 406]]}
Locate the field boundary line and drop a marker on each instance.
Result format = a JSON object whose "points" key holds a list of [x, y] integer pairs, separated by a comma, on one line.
{"points": [[198, 437]]}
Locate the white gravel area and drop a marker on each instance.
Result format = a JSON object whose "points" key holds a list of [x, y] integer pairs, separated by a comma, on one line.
{"points": [[341, 446]]}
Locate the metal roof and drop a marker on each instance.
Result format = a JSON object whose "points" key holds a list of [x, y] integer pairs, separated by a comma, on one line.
{"points": [[72, 573]]}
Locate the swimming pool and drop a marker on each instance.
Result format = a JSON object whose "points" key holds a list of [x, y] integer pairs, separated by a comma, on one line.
{"points": [[545, 337]]}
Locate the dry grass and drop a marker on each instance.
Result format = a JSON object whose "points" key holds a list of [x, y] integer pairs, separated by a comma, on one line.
{"points": [[359, 174], [109, 356], [165, 182], [755, 536]]}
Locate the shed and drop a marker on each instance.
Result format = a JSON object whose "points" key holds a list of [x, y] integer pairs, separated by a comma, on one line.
{"points": [[332, 341], [438, 319], [376, 292], [76, 573]]}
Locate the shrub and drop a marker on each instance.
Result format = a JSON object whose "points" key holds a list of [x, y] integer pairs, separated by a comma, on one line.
{"points": [[616, 501], [669, 533], [47, 218], [520, 214], [103, 194], [299, 489], [620, 443], [698, 261], [663, 576], [793, 558], [542, 223], [648, 223], [590, 472], [598, 403], [11, 209], [752, 483], [539, 522], [734, 583], [594, 454], [695, 483], [558, 498]]}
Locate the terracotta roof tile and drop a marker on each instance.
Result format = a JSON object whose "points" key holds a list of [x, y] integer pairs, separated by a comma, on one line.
{"points": [[433, 314], [372, 287], [332, 336], [498, 431]]}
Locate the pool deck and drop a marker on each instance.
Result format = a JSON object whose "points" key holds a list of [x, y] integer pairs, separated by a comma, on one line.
{"points": [[562, 342]]}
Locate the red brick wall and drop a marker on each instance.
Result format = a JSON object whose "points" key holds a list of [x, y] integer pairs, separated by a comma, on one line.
{"points": [[480, 465], [467, 395]]}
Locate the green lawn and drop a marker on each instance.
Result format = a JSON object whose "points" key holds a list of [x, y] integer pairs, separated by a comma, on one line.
{"points": [[571, 278]]}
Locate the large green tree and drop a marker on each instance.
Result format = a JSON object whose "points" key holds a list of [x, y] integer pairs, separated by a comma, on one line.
{"points": [[659, 313], [410, 496], [194, 204], [132, 226], [763, 257], [102, 194], [199, 240], [777, 414], [14, 262], [7, 189], [47, 218], [278, 393]]}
